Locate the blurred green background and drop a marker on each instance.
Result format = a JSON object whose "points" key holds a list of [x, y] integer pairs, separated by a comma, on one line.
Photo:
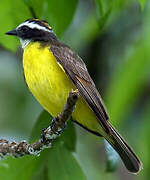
{"points": [[113, 38]]}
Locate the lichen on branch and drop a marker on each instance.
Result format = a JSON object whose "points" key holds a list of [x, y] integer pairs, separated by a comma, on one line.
{"points": [[49, 134]]}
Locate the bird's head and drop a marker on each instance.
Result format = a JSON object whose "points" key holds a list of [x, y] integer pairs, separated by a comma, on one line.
{"points": [[33, 30]]}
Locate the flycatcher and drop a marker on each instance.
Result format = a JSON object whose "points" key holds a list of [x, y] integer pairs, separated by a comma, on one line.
{"points": [[52, 69]]}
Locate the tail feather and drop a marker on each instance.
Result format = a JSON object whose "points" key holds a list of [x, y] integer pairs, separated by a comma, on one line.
{"points": [[131, 161]]}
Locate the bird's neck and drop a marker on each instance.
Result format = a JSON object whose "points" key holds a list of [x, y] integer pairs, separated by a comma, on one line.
{"points": [[24, 42]]}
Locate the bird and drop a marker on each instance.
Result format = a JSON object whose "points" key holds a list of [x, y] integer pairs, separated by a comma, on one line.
{"points": [[52, 69]]}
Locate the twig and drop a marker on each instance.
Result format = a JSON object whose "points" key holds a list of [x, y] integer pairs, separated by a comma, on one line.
{"points": [[32, 12], [18, 149]]}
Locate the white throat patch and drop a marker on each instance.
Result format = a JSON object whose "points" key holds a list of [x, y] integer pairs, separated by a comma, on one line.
{"points": [[25, 42]]}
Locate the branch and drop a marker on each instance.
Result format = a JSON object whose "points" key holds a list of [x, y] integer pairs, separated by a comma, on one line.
{"points": [[57, 126]]}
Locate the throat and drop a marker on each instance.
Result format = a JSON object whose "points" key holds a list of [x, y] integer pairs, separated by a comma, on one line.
{"points": [[24, 42]]}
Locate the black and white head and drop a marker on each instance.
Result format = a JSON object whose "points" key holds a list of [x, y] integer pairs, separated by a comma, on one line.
{"points": [[33, 30]]}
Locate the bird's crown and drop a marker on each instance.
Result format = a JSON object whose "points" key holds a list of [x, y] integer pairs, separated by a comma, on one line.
{"points": [[36, 24], [33, 30]]}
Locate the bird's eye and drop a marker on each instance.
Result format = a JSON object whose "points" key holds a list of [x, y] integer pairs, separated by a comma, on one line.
{"points": [[24, 28]]}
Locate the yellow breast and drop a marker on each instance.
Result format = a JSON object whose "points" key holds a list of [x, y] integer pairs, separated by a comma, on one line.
{"points": [[44, 77], [49, 84]]}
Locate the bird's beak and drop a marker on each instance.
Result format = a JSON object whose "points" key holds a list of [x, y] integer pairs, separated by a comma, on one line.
{"points": [[12, 32]]}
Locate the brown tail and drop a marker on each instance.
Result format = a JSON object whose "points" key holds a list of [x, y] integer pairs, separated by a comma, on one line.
{"points": [[131, 161]]}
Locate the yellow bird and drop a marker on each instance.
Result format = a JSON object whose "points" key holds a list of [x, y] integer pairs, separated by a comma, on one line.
{"points": [[52, 69]]}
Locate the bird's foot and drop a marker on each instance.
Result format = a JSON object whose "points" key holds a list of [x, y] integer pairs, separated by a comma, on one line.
{"points": [[53, 131]]}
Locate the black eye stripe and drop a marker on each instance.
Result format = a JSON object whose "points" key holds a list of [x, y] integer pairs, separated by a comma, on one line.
{"points": [[35, 30], [24, 28]]}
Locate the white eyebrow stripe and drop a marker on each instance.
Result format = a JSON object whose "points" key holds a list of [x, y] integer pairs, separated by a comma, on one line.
{"points": [[33, 25]]}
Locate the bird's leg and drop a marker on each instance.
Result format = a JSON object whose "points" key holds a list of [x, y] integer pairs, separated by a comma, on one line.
{"points": [[59, 123]]}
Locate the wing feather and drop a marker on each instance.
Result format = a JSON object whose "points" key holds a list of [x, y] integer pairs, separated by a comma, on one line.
{"points": [[78, 73]]}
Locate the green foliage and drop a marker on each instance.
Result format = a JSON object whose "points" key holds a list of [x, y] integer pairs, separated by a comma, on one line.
{"points": [[112, 158], [60, 17], [107, 10], [42, 122], [128, 78], [58, 13], [60, 157], [69, 141], [135, 67], [23, 168], [13, 15], [62, 164], [36, 7], [142, 3]]}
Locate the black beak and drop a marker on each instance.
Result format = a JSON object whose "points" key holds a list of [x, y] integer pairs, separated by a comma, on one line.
{"points": [[13, 32]]}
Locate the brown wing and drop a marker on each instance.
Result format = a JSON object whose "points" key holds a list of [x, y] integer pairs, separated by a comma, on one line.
{"points": [[77, 72]]}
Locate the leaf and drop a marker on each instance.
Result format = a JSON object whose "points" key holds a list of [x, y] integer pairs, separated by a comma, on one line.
{"points": [[63, 165], [112, 158], [144, 144], [103, 11], [42, 172], [142, 3], [103, 7], [10, 16], [59, 14], [107, 10], [127, 82], [21, 168], [68, 137], [10, 12], [102, 21], [42, 122], [36, 7]]}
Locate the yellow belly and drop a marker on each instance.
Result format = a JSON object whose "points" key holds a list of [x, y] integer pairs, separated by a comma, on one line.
{"points": [[49, 84]]}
